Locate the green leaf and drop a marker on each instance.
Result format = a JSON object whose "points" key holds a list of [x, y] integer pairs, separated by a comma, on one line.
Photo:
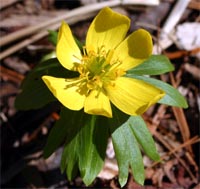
{"points": [[53, 35], [88, 148], [79, 44], [69, 160], [74, 124], [122, 154], [119, 118], [91, 159], [155, 65], [62, 131], [48, 56], [127, 153], [172, 97], [34, 95], [126, 147], [144, 137], [34, 92]]}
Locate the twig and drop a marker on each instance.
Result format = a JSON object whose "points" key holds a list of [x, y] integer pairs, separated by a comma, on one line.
{"points": [[185, 144], [181, 53], [11, 75], [180, 117], [71, 17], [76, 12], [195, 71], [147, 25], [194, 5], [35, 133], [166, 37], [197, 186], [40, 35], [4, 4], [84, 10], [168, 146], [181, 120], [174, 17], [140, 2]]}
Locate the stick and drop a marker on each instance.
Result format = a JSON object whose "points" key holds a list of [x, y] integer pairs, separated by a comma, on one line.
{"points": [[166, 37], [74, 13], [38, 36], [78, 11]]}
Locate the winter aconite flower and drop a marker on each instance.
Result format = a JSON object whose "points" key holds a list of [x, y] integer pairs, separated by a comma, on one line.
{"points": [[102, 66]]}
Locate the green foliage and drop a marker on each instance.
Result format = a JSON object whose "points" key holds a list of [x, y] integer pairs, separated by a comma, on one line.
{"points": [[49, 56], [63, 130], [86, 150], [79, 44], [127, 153], [69, 161], [144, 137], [53, 35], [91, 159], [128, 134], [85, 139], [34, 92], [53, 38], [155, 65]]}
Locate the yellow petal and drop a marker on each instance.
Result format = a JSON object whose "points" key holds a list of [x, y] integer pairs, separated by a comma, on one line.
{"points": [[98, 104], [133, 96], [68, 96], [66, 50], [136, 48], [108, 29]]}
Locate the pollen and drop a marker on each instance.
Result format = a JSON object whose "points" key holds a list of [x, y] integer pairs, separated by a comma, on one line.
{"points": [[97, 69]]}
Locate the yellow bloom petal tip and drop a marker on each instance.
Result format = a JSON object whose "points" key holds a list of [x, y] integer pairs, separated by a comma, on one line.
{"points": [[67, 50]]}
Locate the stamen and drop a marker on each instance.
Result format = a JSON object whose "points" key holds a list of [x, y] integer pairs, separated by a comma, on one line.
{"points": [[96, 70], [109, 56], [76, 57], [101, 51], [98, 93], [75, 83]]}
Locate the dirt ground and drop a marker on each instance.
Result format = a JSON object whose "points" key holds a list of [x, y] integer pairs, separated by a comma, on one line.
{"points": [[24, 133]]}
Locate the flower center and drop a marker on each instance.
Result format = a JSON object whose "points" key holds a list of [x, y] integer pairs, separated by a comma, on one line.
{"points": [[97, 69]]}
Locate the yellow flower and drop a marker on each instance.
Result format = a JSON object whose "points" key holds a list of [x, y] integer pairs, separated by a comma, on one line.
{"points": [[104, 61]]}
